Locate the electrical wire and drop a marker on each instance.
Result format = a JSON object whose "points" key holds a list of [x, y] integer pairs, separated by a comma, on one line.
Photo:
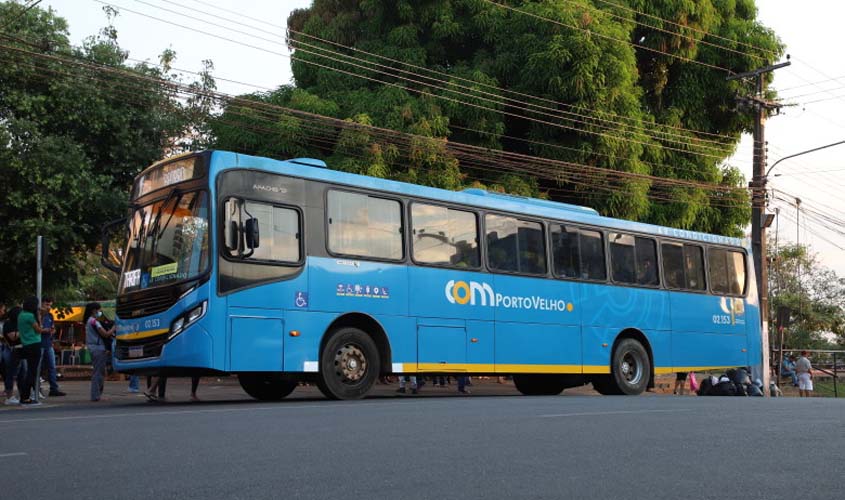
{"points": [[607, 37]]}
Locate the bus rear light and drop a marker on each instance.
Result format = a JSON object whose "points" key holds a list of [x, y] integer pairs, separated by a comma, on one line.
{"points": [[294, 333], [604, 345]]}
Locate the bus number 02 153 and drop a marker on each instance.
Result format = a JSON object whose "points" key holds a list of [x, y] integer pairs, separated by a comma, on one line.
{"points": [[152, 323], [721, 319]]}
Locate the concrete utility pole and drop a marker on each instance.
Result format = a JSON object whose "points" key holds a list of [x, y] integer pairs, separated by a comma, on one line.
{"points": [[761, 108]]}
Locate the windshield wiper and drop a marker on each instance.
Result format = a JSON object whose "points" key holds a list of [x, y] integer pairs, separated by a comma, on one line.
{"points": [[157, 230]]}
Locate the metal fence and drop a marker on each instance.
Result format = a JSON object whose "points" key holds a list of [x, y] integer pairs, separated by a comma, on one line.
{"points": [[830, 362]]}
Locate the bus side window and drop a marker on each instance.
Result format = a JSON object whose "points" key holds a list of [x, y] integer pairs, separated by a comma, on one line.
{"points": [[364, 226], [444, 236], [646, 250], [736, 272], [566, 254], [717, 260], [622, 262], [592, 255], [694, 266], [673, 265], [515, 245]]}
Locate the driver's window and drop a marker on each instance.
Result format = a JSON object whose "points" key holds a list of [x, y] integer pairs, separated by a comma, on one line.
{"points": [[278, 230]]}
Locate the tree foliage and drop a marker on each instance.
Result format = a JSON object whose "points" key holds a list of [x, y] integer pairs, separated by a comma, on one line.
{"points": [[71, 140], [616, 96], [813, 295]]}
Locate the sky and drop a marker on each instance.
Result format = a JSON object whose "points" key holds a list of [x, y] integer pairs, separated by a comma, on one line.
{"points": [[814, 83]]}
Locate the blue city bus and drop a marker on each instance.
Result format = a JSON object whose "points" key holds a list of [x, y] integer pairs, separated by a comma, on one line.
{"points": [[286, 271]]}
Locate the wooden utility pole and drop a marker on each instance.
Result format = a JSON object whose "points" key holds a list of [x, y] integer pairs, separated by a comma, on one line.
{"points": [[761, 108]]}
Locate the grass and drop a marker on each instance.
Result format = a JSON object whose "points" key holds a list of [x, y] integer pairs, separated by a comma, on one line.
{"points": [[824, 387]]}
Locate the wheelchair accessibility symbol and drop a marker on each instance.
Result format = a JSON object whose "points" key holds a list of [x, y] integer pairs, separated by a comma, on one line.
{"points": [[301, 299]]}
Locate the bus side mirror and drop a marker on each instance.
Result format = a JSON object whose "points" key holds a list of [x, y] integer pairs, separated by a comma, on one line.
{"points": [[233, 236], [108, 258], [253, 235]]}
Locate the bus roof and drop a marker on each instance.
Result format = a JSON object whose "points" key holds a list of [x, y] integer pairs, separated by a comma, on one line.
{"points": [[315, 169]]}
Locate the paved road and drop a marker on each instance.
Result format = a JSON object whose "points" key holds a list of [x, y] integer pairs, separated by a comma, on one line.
{"points": [[442, 447]]}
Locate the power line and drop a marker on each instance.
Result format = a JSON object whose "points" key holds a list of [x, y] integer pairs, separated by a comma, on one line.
{"points": [[691, 28], [517, 158], [663, 30], [601, 35], [410, 80], [26, 8]]}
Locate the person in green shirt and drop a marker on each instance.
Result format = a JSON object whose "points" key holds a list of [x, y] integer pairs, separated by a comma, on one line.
{"points": [[30, 334]]}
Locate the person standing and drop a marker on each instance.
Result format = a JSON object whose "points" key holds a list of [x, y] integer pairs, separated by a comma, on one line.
{"points": [[804, 369], [15, 366], [134, 384], [48, 355], [680, 383], [30, 334], [96, 338], [403, 379]]}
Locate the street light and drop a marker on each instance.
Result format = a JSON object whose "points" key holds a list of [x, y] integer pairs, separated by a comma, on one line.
{"points": [[775, 164]]}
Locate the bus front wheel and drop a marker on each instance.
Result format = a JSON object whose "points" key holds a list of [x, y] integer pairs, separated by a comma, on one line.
{"points": [[266, 386], [630, 370], [349, 364], [539, 385]]}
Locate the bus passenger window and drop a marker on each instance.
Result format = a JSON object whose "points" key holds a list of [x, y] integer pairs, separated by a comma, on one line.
{"points": [[444, 236], [622, 262], [673, 265], [736, 272], [646, 250], [592, 256], [515, 245], [717, 260], [364, 226], [566, 254], [694, 265]]}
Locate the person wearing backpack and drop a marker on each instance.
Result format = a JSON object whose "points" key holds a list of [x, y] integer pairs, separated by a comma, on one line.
{"points": [[96, 338], [30, 331]]}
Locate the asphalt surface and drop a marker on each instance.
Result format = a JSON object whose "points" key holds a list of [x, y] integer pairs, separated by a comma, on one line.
{"points": [[570, 446]]}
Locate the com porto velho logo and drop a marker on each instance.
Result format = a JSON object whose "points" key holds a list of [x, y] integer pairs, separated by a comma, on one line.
{"points": [[479, 293]]}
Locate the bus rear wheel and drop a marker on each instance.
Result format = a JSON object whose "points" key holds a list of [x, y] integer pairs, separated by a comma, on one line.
{"points": [[539, 384], [266, 386], [349, 364], [630, 370]]}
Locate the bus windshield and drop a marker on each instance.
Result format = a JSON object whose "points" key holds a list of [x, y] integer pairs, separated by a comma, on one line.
{"points": [[168, 241]]}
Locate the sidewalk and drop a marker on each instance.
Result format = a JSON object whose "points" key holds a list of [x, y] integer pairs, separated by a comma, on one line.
{"points": [[227, 389]]}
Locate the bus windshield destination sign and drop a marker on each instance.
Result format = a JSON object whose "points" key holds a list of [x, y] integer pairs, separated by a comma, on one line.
{"points": [[166, 175]]}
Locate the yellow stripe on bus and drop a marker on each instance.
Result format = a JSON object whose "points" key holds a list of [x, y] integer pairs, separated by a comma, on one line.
{"points": [[500, 368], [142, 335], [684, 369]]}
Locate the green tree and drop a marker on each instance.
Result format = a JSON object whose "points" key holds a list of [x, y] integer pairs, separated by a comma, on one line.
{"points": [[813, 295], [71, 140], [577, 60]]}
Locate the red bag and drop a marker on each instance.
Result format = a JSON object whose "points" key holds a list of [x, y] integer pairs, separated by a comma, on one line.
{"points": [[693, 383]]}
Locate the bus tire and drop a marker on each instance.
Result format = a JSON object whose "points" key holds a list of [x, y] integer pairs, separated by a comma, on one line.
{"points": [[539, 384], [604, 385], [266, 386], [630, 369], [349, 364]]}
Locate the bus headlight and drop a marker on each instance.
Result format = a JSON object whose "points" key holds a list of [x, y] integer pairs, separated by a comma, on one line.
{"points": [[187, 319]]}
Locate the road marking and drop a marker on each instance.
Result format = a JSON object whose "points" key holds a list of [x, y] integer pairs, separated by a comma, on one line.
{"points": [[622, 412], [194, 412], [18, 454]]}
